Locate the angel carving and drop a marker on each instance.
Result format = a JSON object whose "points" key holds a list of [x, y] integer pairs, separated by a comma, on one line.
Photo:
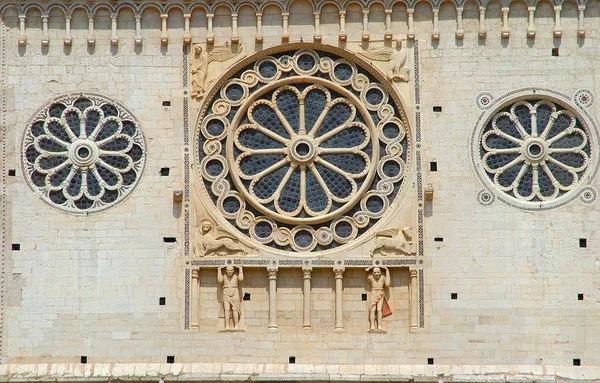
{"points": [[396, 71], [394, 241], [202, 60], [216, 244]]}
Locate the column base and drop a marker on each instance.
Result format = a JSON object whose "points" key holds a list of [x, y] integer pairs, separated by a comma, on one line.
{"points": [[273, 329], [339, 329]]}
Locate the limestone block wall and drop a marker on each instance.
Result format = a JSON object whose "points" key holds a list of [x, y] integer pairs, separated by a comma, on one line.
{"points": [[90, 284]]}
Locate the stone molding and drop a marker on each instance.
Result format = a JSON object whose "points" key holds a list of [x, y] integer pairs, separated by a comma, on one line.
{"points": [[260, 372]]}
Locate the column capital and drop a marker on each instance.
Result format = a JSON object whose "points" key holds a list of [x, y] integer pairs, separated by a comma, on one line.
{"points": [[338, 273], [196, 273], [272, 271], [307, 272], [414, 273], [164, 16]]}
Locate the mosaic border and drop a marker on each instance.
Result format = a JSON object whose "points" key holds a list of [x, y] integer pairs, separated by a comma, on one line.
{"points": [[186, 182], [3, 113], [421, 299]]}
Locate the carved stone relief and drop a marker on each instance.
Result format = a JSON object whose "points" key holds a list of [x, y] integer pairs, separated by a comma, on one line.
{"points": [[394, 242], [201, 63], [215, 242], [378, 304], [395, 60], [230, 298]]}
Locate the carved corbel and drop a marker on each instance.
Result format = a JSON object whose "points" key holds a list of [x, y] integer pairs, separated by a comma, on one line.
{"points": [[435, 34], [22, 36], [388, 34], [460, 32], [164, 34], [342, 35], [187, 35], [531, 22], [557, 31], [45, 37], [68, 40], [505, 31]]}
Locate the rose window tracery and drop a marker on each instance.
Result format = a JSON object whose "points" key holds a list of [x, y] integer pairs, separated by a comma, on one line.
{"points": [[83, 153], [535, 150], [302, 150]]}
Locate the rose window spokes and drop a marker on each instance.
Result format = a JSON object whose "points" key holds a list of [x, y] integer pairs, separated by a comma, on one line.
{"points": [[303, 151], [535, 151], [83, 155]]}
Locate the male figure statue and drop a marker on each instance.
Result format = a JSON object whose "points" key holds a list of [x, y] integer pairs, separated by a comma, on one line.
{"points": [[199, 72], [230, 298], [378, 306]]}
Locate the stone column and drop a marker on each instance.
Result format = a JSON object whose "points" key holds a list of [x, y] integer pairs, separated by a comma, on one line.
{"points": [[195, 320], [45, 37], [505, 29], [307, 276], [530, 22], [22, 35], [557, 32], [235, 36], [285, 34], [317, 17], [272, 298], [114, 38], [413, 299], [411, 21], [581, 28], [210, 35], [365, 33], [435, 34], [339, 301], [91, 39], [164, 35], [482, 31], [68, 38], [342, 35], [460, 32], [259, 34], [187, 35], [138, 30], [388, 34]]}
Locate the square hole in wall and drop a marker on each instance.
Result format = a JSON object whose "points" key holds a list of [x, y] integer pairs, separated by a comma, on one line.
{"points": [[582, 242], [433, 166], [246, 296], [164, 171], [555, 52], [364, 297], [579, 297], [166, 103], [162, 301], [437, 109], [83, 359], [453, 295], [292, 359], [438, 239], [429, 360], [170, 359], [16, 246], [169, 239], [577, 362], [12, 172]]}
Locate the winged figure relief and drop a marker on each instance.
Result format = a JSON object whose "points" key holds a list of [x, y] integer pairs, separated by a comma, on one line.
{"points": [[394, 242], [396, 58], [201, 61]]}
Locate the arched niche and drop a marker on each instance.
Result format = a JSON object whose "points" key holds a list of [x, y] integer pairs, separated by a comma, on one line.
{"points": [[272, 21], [517, 19], [377, 21], [399, 18], [471, 18], [447, 17], [198, 24], [222, 25], [247, 25], [301, 20], [354, 21], [423, 20], [544, 19], [330, 21], [493, 21], [175, 22], [151, 23]]}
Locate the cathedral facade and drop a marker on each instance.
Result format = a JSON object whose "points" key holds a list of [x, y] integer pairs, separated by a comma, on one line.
{"points": [[301, 190]]}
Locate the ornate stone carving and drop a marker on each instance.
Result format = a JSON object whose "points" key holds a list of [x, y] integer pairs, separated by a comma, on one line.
{"points": [[302, 150], [378, 305], [212, 242], [83, 153], [231, 302], [394, 242], [396, 70], [201, 61]]}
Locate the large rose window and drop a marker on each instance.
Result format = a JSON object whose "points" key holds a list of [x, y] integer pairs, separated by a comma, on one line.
{"points": [[301, 151], [83, 153], [535, 150]]}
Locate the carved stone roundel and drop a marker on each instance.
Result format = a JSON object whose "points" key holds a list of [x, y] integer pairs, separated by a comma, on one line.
{"points": [[536, 150], [302, 150], [83, 153]]}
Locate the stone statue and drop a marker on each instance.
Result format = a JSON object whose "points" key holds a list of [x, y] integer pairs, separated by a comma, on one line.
{"points": [[231, 309], [396, 58], [202, 60], [394, 241], [378, 306], [213, 245]]}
